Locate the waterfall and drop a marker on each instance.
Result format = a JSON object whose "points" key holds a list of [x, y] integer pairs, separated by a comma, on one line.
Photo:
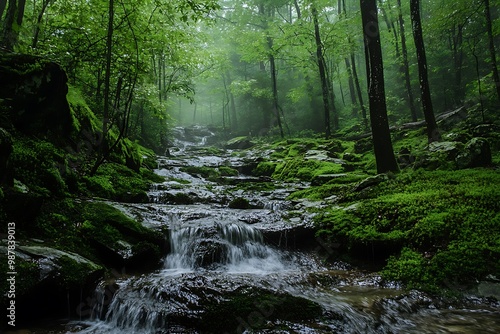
{"points": [[231, 247]]}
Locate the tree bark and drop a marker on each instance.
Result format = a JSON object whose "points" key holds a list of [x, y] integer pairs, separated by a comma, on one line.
{"points": [[34, 42], [432, 129], [3, 5], [322, 73], [12, 23], [406, 67], [103, 149], [234, 120], [358, 90], [493, 60], [382, 144], [275, 90]]}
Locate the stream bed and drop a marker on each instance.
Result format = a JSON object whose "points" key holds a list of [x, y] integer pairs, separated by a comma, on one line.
{"points": [[219, 254]]}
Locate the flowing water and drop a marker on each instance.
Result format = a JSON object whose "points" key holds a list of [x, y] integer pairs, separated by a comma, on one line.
{"points": [[216, 251]]}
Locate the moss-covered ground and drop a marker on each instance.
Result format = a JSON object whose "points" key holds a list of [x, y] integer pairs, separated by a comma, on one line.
{"points": [[435, 228]]}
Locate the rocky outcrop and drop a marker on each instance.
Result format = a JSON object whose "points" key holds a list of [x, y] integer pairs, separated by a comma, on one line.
{"points": [[33, 91], [477, 153], [455, 155], [239, 143], [51, 282]]}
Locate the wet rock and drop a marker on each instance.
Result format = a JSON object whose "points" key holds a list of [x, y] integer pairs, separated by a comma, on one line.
{"points": [[239, 203], [371, 181], [239, 143], [53, 282], [477, 153], [251, 309], [209, 252]]}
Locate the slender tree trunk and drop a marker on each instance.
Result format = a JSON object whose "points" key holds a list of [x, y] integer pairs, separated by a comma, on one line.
{"points": [[406, 66], [493, 60], [390, 27], [458, 56], [34, 42], [322, 73], [3, 5], [275, 90], [103, 149], [297, 9], [352, 91], [234, 120], [432, 129], [358, 90], [382, 144]]}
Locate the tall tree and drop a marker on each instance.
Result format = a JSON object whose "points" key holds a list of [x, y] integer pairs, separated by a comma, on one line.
{"points": [[432, 129], [491, 42], [322, 72], [406, 67], [103, 147], [382, 144]]}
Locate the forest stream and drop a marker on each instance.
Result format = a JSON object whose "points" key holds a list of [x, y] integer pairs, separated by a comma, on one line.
{"points": [[224, 258]]}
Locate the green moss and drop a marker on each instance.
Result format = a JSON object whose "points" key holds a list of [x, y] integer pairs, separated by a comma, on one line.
{"points": [[85, 121], [118, 182], [264, 168], [449, 218], [40, 165], [227, 171], [73, 273], [205, 172], [305, 170]]}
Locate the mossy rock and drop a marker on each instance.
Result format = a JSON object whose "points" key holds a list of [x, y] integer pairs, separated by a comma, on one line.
{"points": [[34, 91], [250, 309], [240, 143], [119, 240], [265, 168], [239, 203]]}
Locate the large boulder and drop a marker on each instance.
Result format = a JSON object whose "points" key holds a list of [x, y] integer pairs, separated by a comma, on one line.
{"points": [[33, 91], [439, 155], [51, 282], [477, 153], [239, 143]]}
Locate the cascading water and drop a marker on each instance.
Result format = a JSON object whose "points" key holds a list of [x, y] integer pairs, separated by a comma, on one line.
{"points": [[216, 251], [231, 247]]}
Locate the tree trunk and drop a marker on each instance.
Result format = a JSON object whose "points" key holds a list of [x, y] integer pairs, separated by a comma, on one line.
{"points": [[12, 23], [234, 120], [382, 144], [358, 90], [45, 4], [352, 91], [493, 60], [432, 130], [3, 5], [275, 90], [322, 73], [406, 67], [103, 149]]}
